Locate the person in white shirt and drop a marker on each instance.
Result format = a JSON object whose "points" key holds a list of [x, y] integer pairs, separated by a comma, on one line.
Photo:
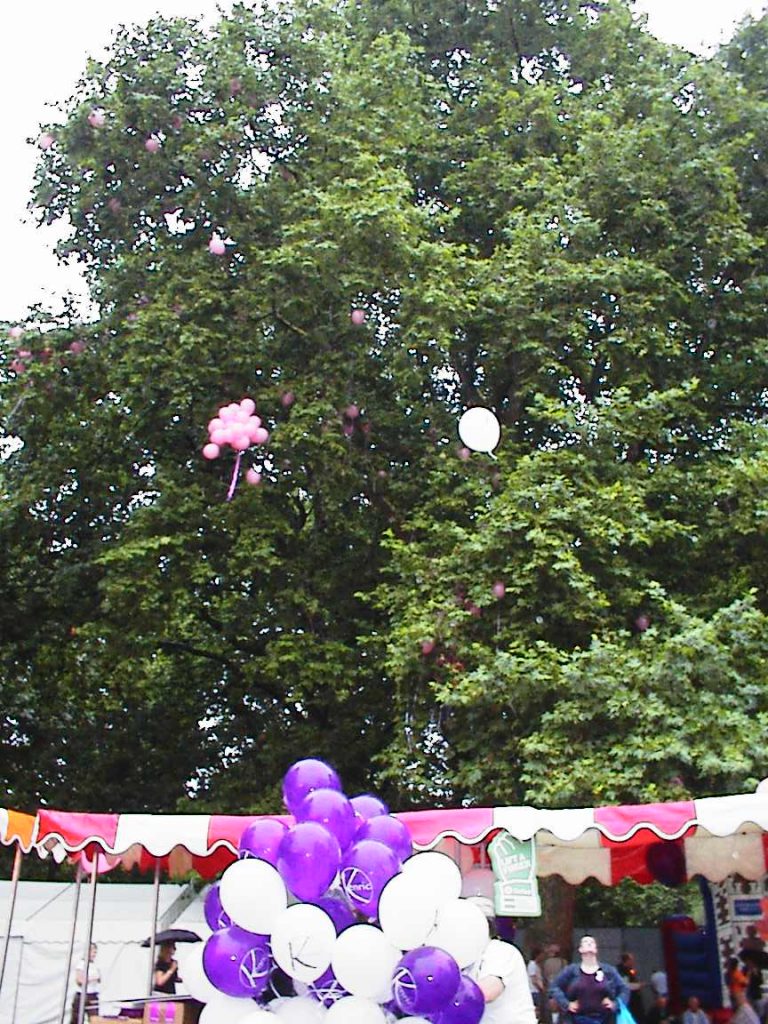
{"points": [[536, 978], [92, 987], [503, 978], [694, 1013], [659, 984]]}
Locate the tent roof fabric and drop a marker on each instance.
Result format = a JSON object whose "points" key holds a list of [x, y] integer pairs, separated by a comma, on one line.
{"points": [[719, 836]]}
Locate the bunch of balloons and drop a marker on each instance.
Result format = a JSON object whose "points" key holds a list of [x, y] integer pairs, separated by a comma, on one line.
{"points": [[333, 901], [238, 426]]}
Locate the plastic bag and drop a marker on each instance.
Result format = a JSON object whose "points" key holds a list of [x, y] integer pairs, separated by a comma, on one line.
{"points": [[623, 1016]]}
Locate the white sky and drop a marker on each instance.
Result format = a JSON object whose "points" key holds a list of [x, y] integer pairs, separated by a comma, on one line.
{"points": [[43, 48]]}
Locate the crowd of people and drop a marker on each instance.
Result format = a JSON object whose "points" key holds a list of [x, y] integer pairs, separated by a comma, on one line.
{"points": [[588, 991], [592, 992]]}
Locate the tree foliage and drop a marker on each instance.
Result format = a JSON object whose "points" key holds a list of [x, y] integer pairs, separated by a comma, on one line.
{"points": [[539, 208]]}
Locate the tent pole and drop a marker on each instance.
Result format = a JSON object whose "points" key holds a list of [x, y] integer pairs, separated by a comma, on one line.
{"points": [[155, 907], [70, 951], [89, 940], [14, 889]]}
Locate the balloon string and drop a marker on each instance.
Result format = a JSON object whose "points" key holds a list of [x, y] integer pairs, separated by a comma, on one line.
{"points": [[235, 474]]}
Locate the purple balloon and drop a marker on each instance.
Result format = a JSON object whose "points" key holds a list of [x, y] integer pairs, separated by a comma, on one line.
{"points": [[338, 910], [425, 981], [308, 860], [330, 808], [304, 777], [327, 989], [216, 916], [466, 1007], [368, 806], [366, 868], [388, 830], [262, 839], [238, 962]]}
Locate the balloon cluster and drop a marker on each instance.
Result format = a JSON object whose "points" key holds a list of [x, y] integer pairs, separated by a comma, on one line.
{"points": [[334, 902], [238, 426]]}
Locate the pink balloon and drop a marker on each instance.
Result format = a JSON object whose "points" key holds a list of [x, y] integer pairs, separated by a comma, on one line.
{"points": [[96, 119], [357, 316], [499, 590], [77, 347], [114, 205], [220, 436], [15, 333], [242, 416], [287, 399], [18, 366], [260, 435], [152, 144], [215, 424], [211, 451], [224, 414], [216, 246], [352, 412], [253, 477], [234, 409], [254, 429], [248, 405], [240, 442], [45, 141]]}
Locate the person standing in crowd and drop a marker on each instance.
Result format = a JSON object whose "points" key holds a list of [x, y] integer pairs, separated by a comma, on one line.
{"points": [[659, 1013], [92, 986], [502, 977], [628, 970], [659, 984], [744, 1013], [589, 990], [694, 1013], [166, 970], [736, 980], [536, 980]]}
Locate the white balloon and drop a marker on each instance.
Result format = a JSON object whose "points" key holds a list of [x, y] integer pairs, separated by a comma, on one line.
{"points": [[363, 961], [259, 1016], [461, 929], [407, 911], [297, 1010], [355, 1010], [479, 429], [413, 1020], [436, 872], [253, 894], [302, 941], [226, 1010], [195, 978]]}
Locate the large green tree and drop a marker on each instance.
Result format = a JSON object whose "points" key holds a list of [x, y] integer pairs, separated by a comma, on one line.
{"points": [[538, 207]]}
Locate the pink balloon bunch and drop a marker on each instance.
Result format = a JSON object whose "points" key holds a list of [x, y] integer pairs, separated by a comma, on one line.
{"points": [[238, 426]]}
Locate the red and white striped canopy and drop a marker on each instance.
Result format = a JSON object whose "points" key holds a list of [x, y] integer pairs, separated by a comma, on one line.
{"points": [[719, 836]]}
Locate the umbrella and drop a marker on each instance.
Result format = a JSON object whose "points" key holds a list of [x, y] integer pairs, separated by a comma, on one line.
{"points": [[173, 935]]}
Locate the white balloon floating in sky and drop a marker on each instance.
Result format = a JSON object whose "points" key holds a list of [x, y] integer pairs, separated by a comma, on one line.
{"points": [[479, 429]]}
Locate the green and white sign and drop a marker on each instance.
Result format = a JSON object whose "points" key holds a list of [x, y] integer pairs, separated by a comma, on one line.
{"points": [[516, 888]]}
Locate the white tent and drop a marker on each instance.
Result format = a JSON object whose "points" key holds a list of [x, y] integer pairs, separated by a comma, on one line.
{"points": [[33, 986]]}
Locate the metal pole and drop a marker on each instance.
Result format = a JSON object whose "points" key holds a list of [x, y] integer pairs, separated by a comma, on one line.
{"points": [[155, 906], [89, 940], [70, 951], [14, 889]]}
